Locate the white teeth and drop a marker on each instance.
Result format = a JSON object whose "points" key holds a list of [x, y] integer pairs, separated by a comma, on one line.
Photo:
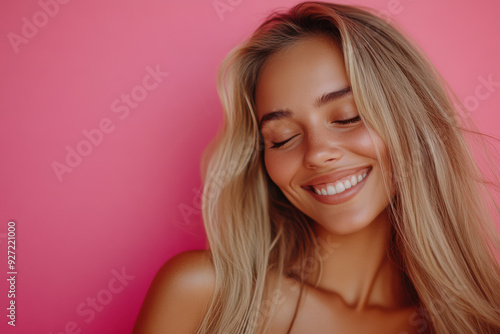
{"points": [[339, 187], [331, 190], [354, 181]]}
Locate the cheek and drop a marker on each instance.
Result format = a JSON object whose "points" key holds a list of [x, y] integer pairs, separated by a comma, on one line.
{"points": [[364, 142], [280, 168], [370, 144]]}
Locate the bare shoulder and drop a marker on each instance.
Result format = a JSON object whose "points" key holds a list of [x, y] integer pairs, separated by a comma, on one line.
{"points": [[179, 295], [280, 302]]}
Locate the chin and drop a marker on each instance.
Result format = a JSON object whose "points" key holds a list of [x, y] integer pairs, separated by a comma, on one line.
{"points": [[349, 224]]}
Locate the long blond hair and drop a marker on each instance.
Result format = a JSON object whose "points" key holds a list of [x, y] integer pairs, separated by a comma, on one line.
{"points": [[443, 232]]}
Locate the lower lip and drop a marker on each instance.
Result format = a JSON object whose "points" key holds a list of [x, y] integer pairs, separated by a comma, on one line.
{"points": [[343, 196]]}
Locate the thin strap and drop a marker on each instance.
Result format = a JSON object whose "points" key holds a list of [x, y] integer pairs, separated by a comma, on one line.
{"points": [[296, 307]]}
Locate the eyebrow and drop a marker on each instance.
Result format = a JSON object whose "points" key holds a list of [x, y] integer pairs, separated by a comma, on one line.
{"points": [[332, 96], [322, 100]]}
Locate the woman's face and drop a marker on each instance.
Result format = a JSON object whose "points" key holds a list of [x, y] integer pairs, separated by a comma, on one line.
{"points": [[317, 150]]}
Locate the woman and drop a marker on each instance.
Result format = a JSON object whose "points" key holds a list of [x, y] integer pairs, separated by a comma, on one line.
{"points": [[340, 195]]}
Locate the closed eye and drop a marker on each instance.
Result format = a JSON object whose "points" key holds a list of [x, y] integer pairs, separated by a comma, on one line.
{"points": [[349, 121], [343, 122], [281, 143]]}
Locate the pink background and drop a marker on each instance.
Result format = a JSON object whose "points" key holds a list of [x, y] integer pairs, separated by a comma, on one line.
{"points": [[120, 207]]}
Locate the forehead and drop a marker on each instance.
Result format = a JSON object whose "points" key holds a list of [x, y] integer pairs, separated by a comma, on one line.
{"points": [[294, 77]]}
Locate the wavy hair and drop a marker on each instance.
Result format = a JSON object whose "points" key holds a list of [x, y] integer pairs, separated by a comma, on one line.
{"points": [[444, 235]]}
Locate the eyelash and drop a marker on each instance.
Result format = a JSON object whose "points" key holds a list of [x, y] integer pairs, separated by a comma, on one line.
{"points": [[349, 121], [343, 122], [281, 143]]}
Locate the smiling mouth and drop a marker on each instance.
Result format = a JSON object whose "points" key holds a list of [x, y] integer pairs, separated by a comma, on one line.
{"points": [[341, 185]]}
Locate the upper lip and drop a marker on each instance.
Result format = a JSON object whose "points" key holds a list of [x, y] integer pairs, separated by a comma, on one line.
{"points": [[335, 176]]}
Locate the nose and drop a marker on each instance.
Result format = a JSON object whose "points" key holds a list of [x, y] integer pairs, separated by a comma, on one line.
{"points": [[322, 150]]}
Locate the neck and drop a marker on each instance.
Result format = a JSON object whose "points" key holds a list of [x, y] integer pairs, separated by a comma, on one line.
{"points": [[356, 266]]}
